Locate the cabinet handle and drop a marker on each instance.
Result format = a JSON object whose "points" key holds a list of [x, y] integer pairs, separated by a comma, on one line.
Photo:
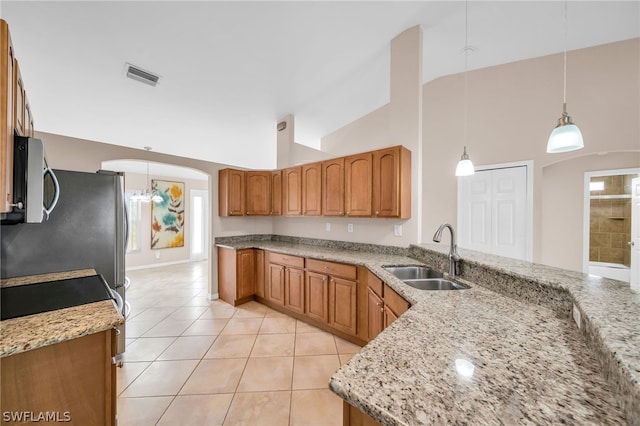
{"points": [[377, 213], [381, 309], [117, 363], [340, 213]]}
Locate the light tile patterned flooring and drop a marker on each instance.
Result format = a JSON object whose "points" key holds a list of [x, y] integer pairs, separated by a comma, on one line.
{"points": [[191, 361]]}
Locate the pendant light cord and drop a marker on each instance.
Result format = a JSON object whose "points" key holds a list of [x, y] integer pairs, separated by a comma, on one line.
{"points": [[466, 54], [564, 80]]}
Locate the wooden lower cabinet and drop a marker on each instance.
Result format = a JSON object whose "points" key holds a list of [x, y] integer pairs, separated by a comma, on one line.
{"points": [[74, 381], [343, 305], [354, 417], [384, 306], [275, 284], [317, 296], [236, 275], [294, 290], [260, 273]]}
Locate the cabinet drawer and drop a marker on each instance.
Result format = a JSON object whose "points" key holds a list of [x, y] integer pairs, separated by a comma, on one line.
{"points": [[286, 260], [330, 268], [394, 301]]}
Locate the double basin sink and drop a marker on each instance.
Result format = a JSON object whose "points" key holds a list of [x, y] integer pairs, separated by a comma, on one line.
{"points": [[423, 278]]}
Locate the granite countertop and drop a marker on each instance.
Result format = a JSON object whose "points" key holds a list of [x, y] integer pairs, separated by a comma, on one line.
{"points": [[531, 365], [47, 328]]}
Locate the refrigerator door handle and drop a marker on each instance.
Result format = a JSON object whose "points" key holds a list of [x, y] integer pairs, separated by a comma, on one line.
{"points": [[56, 194]]}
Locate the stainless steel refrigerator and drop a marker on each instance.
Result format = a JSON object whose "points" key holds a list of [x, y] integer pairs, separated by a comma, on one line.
{"points": [[87, 229]]}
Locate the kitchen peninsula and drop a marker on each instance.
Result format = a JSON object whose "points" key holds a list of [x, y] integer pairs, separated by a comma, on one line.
{"points": [[524, 358]]}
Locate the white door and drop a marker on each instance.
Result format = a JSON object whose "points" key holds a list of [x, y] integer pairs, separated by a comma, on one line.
{"points": [[492, 212], [199, 224], [635, 234]]}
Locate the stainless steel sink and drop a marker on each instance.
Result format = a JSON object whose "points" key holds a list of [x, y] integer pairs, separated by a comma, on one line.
{"points": [[413, 272], [434, 284]]}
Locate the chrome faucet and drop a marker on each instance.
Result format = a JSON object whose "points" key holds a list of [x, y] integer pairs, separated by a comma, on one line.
{"points": [[453, 252]]}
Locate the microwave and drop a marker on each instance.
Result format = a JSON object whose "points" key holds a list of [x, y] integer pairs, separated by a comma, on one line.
{"points": [[35, 187]]}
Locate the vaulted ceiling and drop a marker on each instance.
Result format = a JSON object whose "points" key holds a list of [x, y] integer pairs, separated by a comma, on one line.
{"points": [[229, 70]]}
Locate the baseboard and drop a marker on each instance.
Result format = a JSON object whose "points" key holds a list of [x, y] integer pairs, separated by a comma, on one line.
{"points": [[158, 265]]}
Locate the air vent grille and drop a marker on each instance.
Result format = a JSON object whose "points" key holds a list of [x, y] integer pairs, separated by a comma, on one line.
{"points": [[141, 75]]}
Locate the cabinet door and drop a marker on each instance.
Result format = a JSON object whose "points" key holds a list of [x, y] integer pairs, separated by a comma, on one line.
{"points": [[275, 284], [260, 272], [28, 118], [317, 296], [258, 193], [292, 191], [246, 275], [276, 193], [358, 180], [312, 189], [294, 290], [389, 316], [342, 305], [392, 182], [333, 187], [6, 118], [231, 192], [375, 314]]}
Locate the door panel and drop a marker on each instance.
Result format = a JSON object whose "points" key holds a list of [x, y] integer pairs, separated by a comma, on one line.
{"points": [[294, 290], [317, 296]]}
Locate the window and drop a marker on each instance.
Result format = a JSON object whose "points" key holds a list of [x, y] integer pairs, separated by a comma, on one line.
{"points": [[135, 223]]}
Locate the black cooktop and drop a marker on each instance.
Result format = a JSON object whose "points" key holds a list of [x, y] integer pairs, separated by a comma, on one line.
{"points": [[23, 300]]}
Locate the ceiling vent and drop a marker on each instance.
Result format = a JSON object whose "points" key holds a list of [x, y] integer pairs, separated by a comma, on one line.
{"points": [[141, 75]]}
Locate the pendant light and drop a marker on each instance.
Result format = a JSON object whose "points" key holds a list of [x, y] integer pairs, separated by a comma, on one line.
{"points": [[565, 136], [465, 166], [147, 195]]}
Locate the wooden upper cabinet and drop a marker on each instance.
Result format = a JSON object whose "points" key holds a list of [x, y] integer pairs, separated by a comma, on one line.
{"points": [[18, 100], [312, 189], [258, 193], [276, 193], [292, 191], [358, 181], [231, 190], [7, 63], [391, 194], [333, 187]]}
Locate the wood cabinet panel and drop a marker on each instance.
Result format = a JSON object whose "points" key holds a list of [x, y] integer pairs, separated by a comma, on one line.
{"points": [[389, 316], [294, 290], [246, 274], [275, 284], [317, 296], [18, 100], [258, 193], [260, 272], [276, 193], [333, 187], [312, 189], [375, 314], [292, 191], [391, 188], [394, 301], [342, 305], [75, 377], [231, 192], [358, 184], [7, 62]]}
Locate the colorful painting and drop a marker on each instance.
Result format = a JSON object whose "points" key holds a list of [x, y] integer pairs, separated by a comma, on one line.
{"points": [[167, 216]]}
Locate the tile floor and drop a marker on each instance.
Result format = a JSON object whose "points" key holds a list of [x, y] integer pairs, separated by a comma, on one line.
{"points": [[191, 361]]}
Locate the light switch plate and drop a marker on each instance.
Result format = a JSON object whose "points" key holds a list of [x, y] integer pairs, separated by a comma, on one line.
{"points": [[349, 227], [327, 226], [397, 230]]}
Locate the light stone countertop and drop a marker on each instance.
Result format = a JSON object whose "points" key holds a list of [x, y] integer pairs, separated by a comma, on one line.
{"points": [[47, 328], [532, 365]]}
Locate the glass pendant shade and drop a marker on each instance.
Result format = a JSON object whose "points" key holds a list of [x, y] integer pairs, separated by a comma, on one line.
{"points": [[565, 137], [465, 166]]}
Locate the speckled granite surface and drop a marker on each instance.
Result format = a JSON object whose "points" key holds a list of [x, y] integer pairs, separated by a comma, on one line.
{"points": [[532, 365], [35, 331]]}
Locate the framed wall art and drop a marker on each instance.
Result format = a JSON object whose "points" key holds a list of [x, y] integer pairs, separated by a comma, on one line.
{"points": [[167, 216]]}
